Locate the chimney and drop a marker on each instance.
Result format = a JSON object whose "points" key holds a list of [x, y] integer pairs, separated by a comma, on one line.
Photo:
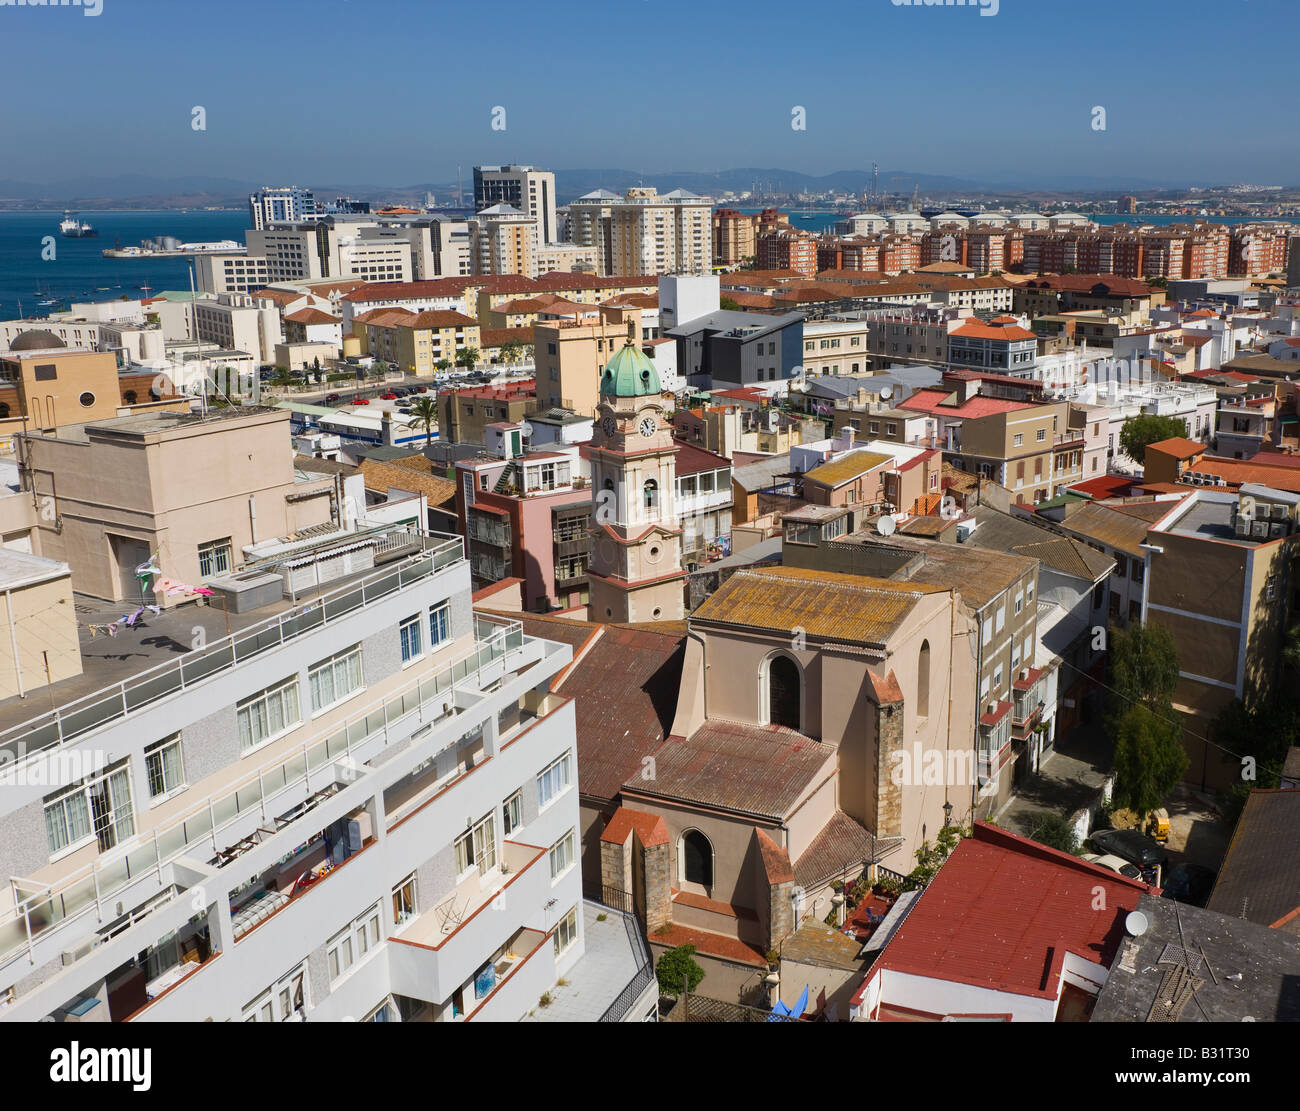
{"points": [[848, 434]]}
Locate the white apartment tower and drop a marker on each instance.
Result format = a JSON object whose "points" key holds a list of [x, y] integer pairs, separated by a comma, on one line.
{"points": [[643, 232], [284, 205], [362, 803]]}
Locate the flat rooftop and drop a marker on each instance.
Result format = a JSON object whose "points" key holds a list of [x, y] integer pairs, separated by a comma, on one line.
{"points": [[610, 961], [21, 568]]}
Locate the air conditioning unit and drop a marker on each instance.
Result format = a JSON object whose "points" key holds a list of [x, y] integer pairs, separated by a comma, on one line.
{"points": [[1218, 481], [1281, 513], [1276, 529], [1243, 526], [1259, 528]]}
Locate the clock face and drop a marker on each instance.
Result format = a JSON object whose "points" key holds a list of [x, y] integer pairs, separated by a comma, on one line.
{"points": [[609, 425], [648, 427]]}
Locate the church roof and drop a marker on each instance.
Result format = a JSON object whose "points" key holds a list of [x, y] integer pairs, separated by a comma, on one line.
{"points": [[630, 374]]}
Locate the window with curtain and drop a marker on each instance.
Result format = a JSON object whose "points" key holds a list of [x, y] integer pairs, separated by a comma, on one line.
{"points": [[553, 780], [477, 847], [334, 679], [100, 806], [267, 714]]}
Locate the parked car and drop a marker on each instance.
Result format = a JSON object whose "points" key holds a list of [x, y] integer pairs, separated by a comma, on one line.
{"points": [[1137, 848], [1115, 864], [419, 389], [399, 391], [388, 395], [1189, 883], [359, 401], [331, 398]]}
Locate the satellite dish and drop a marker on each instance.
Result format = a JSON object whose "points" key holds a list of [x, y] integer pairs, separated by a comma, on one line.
{"points": [[886, 392], [1135, 924], [886, 525]]}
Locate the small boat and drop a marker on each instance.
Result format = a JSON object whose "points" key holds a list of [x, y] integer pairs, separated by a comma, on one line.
{"points": [[72, 228]]}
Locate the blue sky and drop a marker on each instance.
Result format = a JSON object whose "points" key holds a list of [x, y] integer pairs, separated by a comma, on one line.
{"points": [[358, 91]]}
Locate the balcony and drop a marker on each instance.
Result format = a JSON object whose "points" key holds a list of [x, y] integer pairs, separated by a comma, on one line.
{"points": [[441, 949], [518, 978], [227, 823], [112, 704]]}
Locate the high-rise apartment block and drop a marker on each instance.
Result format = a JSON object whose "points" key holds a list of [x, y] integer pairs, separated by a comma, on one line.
{"points": [[526, 188], [644, 232], [289, 204]]}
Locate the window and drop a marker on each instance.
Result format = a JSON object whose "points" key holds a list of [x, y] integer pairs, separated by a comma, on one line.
{"points": [[562, 856], [99, 807], [923, 680], [552, 781], [783, 692], [512, 813], [697, 858], [404, 900], [439, 624], [410, 634], [214, 558], [87, 399], [477, 847], [353, 943], [1018, 440], [267, 714], [997, 679], [164, 767], [651, 493], [284, 1000], [566, 933], [1041, 435], [336, 678], [1020, 600]]}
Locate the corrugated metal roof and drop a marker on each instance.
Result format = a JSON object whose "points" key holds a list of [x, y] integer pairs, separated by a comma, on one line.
{"points": [[823, 604]]}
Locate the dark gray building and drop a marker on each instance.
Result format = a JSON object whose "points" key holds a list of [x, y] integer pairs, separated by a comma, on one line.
{"points": [[728, 348]]}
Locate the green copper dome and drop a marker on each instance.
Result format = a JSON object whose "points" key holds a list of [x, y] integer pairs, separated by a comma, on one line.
{"points": [[630, 374]]}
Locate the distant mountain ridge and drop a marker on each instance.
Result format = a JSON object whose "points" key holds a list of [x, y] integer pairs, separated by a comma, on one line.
{"points": [[197, 190]]}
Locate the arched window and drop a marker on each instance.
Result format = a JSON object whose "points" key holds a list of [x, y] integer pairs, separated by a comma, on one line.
{"points": [[651, 493], [783, 691], [697, 858], [129, 397], [923, 681]]}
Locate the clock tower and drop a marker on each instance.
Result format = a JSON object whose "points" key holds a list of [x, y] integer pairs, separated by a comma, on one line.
{"points": [[634, 571]]}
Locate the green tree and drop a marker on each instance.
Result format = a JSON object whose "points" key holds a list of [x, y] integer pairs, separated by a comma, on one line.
{"points": [[1055, 831], [1143, 670], [1149, 758], [282, 377], [1137, 432], [467, 357], [1256, 739], [678, 971], [1158, 283], [443, 365], [728, 304], [424, 414], [511, 351]]}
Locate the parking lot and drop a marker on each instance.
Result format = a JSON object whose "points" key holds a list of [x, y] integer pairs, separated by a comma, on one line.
{"points": [[371, 389]]}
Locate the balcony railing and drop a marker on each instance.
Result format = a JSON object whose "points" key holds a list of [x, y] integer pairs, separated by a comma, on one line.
{"points": [[73, 719], [40, 908]]}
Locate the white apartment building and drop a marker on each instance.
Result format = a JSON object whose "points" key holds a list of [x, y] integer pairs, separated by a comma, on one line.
{"points": [[525, 188], [443, 295], [361, 804], [1112, 402], [238, 322], [504, 240], [231, 272], [643, 232], [333, 247]]}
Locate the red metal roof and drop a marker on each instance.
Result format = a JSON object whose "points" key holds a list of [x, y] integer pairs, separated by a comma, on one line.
{"points": [[1003, 911], [931, 401]]}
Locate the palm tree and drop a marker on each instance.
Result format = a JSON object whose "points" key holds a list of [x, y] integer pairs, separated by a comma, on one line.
{"points": [[511, 351], [467, 357], [424, 414]]}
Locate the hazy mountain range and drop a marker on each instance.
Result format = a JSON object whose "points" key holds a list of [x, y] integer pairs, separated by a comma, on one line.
{"points": [[195, 191]]}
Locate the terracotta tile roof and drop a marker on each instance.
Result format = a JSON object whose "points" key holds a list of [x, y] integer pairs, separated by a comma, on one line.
{"points": [[935, 400], [407, 291], [312, 316], [886, 689], [776, 861], [848, 468], [1114, 285], [986, 331], [711, 944], [624, 689], [761, 770], [499, 337], [1236, 472], [841, 848], [381, 476], [1037, 902], [649, 828], [281, 297], [850, 608]]}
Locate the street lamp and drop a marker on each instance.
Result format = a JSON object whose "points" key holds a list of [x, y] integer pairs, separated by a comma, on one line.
{"points": [[947, 813]]}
